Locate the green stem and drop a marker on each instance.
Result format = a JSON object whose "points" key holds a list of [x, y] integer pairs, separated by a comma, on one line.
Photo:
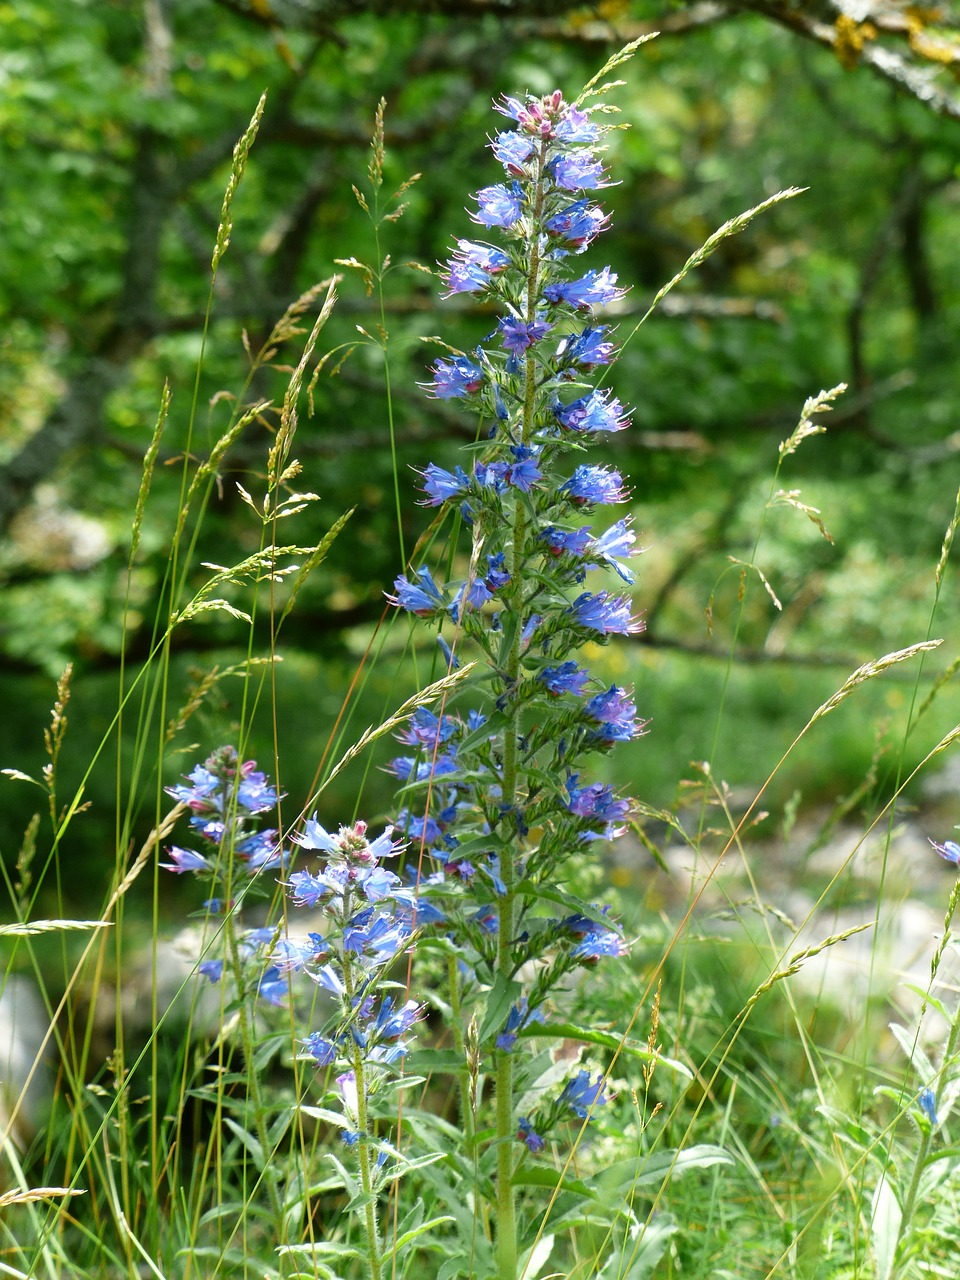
{"points": [[370, 1226], [467, 1117], [246, 1041], [509, 860], [949, 1052]]}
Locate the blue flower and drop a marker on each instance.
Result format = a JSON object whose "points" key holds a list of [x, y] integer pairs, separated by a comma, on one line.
{"points": [[949, 850], [577, 225], [587, 350], [454, 378], [598, 411], [427, 730], [594, 289], [422, 597], [518, 334], [594, 485], [499, 206], [576, 127], [582, 1096], [616, 541], [275, 986], [512, 149], [523, 472], [440, 485], [928, 1104], [255, 794], [595, 801], [597, 943], [484, 256], [408, 768], [615, 712], [529, 1136], [571, 542], [211, 969], [520, 1016], [567, 678], [186, 860], [324, 1052], [610, 615], [393, 1023], [578, 171]]}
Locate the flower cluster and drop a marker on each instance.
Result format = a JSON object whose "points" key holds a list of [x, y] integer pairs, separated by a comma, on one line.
{"points": [[368, 919], [500, 801], [226, 798]]}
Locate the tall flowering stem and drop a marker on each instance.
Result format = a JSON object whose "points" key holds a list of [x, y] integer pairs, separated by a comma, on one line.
{"points": [[495, 797]]}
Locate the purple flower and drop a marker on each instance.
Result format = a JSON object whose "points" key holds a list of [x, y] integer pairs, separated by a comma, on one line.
{"points": [[464, 277], [518, 335], [426, 730], [928, 1104], [523, 473], [392, 1023], [577, 225], [599, 942], [274, 986], [598, 411], [576, 127], [420, 828], [594, 485], [454, 378], [374, 938], [491, 475], [578, 171], [512, 149], [484, 256], [595, 289], [529, 1136], [949, 850], [615, 542], [439, 485], [408, 769], [255, 794], [422, 597], [595, 801], [323, 1052], [520, 1015], [615, 712], [567, 678], [499, 206], [470, 268], [260, 851], [307, 889], [582, 1096], [610, 615], [197, 797], [587, 350], [211, 969], [185, 860], [573, 542]]}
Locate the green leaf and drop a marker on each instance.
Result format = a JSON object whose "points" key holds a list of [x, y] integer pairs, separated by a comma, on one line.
{"points": [[249, 1142], [540, 1175], [500, 998], [884, 1230], [407, 1237], [654, 1170], [608, 1039]]}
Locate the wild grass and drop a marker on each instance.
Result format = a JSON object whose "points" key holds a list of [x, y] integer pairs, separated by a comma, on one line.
{"points": [[158, 1125]]}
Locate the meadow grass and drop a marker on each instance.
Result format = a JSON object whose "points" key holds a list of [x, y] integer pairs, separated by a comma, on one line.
{"points": [[743, 1121]]}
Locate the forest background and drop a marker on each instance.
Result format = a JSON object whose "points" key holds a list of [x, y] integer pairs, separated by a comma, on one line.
{"points": [[117, 122]]}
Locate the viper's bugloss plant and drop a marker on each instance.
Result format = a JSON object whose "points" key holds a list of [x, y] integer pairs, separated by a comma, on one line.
{"points": [[496, 800]]}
